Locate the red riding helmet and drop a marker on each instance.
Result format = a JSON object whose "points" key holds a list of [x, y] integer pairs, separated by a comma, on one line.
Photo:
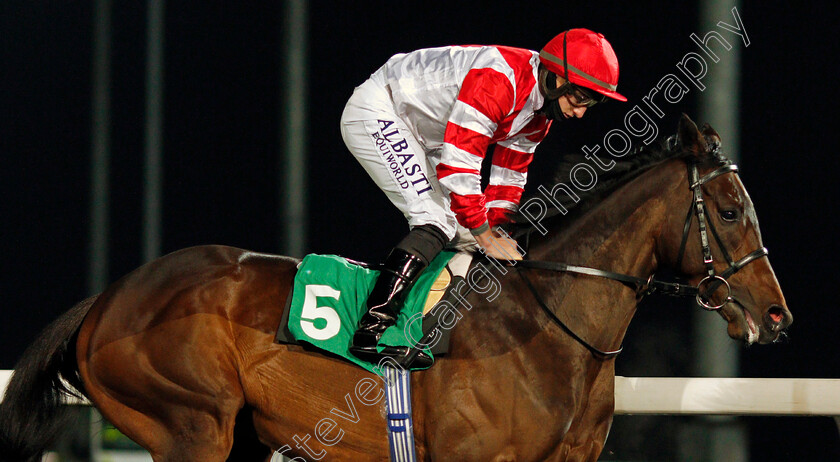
{"points": [[592, 62]]}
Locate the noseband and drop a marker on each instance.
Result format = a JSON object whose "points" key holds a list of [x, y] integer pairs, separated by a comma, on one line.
{"points": [[702, 291]]}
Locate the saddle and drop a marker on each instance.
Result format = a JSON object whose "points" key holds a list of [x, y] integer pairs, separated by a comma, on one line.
{"points": [[329, 294]]}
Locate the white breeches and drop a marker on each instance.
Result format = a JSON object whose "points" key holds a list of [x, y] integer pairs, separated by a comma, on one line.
{"points": [[392, 156]]}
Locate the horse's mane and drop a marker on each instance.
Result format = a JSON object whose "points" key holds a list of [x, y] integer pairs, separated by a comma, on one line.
{"points": [[626, 168]]}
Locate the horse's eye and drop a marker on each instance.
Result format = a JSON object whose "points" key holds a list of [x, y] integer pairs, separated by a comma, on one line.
{"points": [[729, 215]]}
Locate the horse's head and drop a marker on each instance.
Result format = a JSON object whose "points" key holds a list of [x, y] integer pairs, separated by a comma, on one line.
{"points": [[717, 244]]}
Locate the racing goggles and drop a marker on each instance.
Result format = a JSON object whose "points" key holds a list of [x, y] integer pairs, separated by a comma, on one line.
{"points": [[581, 96]]}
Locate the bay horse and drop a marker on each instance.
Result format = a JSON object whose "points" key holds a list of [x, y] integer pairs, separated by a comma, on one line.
{"points": [[172, 352]]}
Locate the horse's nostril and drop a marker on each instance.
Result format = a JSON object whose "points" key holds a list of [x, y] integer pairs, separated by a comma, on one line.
{"points": [[775, 317]]}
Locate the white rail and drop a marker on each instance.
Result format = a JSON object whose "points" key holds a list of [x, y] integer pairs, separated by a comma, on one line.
{"points": [[722, 396], [5, 375], [4, 380], [728, 396]]}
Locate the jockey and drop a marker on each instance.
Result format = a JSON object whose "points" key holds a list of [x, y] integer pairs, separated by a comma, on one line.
{"points": [[421, 125]]}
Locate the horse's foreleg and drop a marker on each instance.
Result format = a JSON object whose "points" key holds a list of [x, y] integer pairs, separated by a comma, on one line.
{"points": [[588, 433]]}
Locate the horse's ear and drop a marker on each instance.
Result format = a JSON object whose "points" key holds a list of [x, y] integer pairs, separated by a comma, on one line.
{"points": [[690, 137], [710, 134]]}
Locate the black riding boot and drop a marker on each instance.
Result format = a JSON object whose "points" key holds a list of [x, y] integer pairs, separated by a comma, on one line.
{"points": [[399, 273]]}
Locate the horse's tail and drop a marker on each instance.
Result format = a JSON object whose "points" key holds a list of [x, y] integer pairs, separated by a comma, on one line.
{"points": [[31, 413]]}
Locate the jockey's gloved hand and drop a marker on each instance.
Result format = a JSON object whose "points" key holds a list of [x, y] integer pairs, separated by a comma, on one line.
{"points": [[497, 246]]}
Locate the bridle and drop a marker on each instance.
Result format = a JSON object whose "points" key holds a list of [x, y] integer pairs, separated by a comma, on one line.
{"points": [[713, 280], [702, 291]]}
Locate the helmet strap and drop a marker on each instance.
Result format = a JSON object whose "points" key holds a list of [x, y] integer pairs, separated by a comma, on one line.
{"points": [[551, 110], [548, 85], [565, 59]]}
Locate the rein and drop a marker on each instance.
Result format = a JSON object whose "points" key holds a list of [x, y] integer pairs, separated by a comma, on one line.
{"points": [[707, 286]]}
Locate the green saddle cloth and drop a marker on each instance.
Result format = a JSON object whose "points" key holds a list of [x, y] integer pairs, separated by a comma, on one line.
{"points": [[329, 300]]}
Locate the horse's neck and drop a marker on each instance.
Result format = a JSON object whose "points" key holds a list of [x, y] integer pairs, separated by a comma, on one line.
{"points": [[508, 347], [618, 235]]}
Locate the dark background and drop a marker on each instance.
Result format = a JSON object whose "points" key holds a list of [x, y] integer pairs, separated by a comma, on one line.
{"points": [[221, 149]]}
